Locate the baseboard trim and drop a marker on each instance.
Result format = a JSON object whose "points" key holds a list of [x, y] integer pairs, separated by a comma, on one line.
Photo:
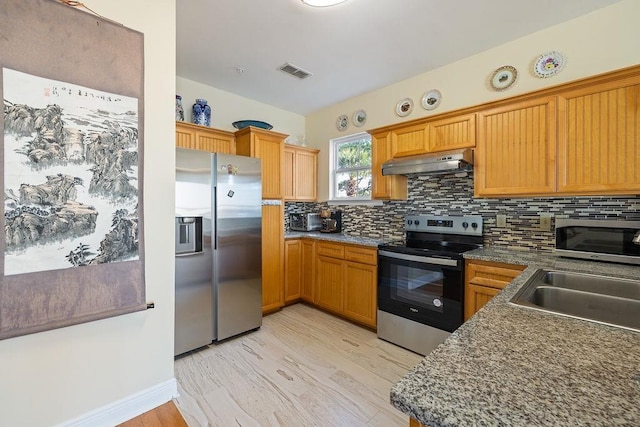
{"points": [[129, 407]]}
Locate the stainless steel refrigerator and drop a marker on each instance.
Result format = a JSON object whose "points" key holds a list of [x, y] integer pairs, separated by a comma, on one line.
{"points": [[218, 233]]}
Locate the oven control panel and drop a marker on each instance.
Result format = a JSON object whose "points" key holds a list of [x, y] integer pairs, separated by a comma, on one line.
{"points": [[466, 225]]}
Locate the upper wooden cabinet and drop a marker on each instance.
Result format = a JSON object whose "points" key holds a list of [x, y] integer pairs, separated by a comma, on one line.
{"points": [[599, 138], [429, 135], [392, 187], [268, 146], [516, 152], [197, 137], [300, 173]]}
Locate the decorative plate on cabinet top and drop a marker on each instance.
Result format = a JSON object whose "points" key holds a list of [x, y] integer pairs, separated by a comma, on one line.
{"points": [[431, 99], [404, 107], [504, 77], [342, 123], [241, 124], [359, 118], [549, 64]]}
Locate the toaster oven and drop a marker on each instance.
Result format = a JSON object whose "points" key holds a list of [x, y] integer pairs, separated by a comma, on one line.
{"points": [[305, 222]]}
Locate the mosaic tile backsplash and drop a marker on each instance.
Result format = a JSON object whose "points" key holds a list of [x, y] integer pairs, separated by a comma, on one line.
{"points": [[451, 195]]}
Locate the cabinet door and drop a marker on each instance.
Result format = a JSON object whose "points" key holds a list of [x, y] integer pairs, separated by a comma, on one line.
{"points": [[292, 271], [215, 143], [305, 175], [360, 292], [476, 297], [599, 139], [288, 174], [516, 151], [329, 283], [308, 268], [409, 141], [452, 133], [392, 187], [271, 150], [201, 138], [484, 280], [185, 136], [272, 257]]}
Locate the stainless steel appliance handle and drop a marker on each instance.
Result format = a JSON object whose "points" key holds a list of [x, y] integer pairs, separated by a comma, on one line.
{"points": [[421, 259], [189, 254]]}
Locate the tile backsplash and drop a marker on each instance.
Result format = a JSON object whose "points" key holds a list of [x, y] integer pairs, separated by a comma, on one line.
{"points": [[451, 195]]}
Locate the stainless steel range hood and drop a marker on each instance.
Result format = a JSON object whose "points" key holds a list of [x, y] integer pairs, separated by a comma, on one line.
{"points": [[445, 162]]}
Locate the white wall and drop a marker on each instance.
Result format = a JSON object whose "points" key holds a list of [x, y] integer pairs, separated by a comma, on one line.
{"points": [[50, 377], [604, 40], [228, 108]]}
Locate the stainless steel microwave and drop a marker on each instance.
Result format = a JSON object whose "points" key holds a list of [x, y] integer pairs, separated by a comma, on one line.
{"points": [[305, 222], [599, 240]]}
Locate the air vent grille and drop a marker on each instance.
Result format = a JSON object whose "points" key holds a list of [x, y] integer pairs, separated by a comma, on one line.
{"points": [[295, 71]]}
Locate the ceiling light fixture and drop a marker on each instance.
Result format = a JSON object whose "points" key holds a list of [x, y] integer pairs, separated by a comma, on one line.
{"points": [[322, 3]]}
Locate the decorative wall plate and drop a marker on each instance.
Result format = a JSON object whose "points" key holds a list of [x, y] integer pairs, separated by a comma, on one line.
{"points": [[504, 77], [342, 123], [359, 118], [549, 64], [431, 99], [404, 107]]}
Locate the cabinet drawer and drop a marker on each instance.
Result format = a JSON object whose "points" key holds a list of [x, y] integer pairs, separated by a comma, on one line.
{"points": [[360, 254], [334, 250], [493, 275]]}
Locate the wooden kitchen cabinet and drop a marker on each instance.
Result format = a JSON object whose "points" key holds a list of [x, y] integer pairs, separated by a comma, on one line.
{"points": [[308, 268], [268, 146], [346, 281], [391, 187], [293, 270], [197, 137], [516, 150], [484, 280], [272, 257], [300, 173], [599, 138], [430, 136]]}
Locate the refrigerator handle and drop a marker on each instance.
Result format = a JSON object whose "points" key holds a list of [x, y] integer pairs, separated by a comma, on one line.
{"points": [[214, 218]]}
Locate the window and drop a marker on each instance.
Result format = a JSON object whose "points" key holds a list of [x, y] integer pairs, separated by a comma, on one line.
{"points": [[351, 167]]}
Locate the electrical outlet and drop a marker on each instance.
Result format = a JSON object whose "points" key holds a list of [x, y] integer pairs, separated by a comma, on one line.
{"points": [[501, 220], [545, 222]]}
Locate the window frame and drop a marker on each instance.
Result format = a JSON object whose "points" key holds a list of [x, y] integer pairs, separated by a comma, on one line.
{"points": [[333, 168]]}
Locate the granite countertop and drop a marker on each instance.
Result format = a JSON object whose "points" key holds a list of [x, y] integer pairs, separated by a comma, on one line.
{"points": [[335, 237], [513, 366]]}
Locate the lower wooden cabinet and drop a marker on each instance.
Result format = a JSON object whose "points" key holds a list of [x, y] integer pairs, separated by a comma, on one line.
{"points": [[272, 258], [292, 270], [308, 268], [346, 281], [484, 280]]}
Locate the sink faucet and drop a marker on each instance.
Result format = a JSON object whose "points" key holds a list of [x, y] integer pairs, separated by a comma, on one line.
{"points": [[636, 238]]}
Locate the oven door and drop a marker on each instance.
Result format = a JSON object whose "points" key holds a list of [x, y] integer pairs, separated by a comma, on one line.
{"points": [[425, 289]]}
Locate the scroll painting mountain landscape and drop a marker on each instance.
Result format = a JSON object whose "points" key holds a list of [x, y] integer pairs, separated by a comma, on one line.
{"points": [[70, 175]]}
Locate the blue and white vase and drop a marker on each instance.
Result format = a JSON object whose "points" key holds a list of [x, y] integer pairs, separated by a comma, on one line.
{"points": [[201, 114], [179, 109]]}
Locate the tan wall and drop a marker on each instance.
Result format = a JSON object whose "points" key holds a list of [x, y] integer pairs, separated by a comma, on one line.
{"points": [[604, 40], [228, 108], [50, 377]]}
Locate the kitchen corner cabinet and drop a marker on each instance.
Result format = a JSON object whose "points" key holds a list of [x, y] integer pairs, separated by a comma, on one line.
{"points": [[391, 187], [300, 173], [516, 151], [346, 281], [599, 138], [272, 257], [268, 146], [292, 270], [197, 137], [483, 281]]}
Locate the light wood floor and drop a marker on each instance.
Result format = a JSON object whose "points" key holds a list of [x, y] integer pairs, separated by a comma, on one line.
{"points": [[304, 367]]}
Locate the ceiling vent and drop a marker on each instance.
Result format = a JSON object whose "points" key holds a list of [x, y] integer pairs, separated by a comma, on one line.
{"points": [[295, 71]]}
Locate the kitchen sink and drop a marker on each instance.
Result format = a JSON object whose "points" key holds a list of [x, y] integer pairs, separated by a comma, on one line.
{"points": [[601, 299]]}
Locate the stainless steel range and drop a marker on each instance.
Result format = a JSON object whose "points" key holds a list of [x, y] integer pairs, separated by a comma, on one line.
{"points": [[421, 280]]}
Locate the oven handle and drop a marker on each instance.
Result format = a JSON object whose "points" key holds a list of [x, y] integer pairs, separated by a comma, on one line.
{"points": [[420, 259]]}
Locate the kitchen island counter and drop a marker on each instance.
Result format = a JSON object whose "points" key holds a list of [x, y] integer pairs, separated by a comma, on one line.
{"points": [[512, 366]]}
